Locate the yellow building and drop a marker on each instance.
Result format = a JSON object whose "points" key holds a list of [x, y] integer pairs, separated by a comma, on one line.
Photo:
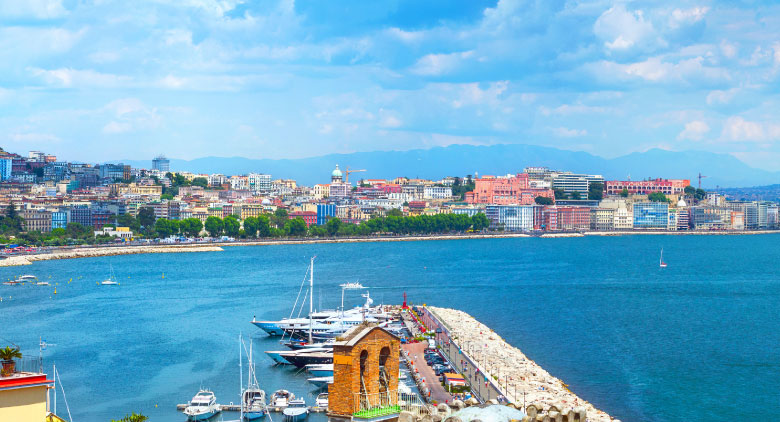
{"points": [[24, 396]]}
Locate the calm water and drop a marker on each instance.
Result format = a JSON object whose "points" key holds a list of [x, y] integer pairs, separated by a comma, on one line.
{"points": [[697, 341]]}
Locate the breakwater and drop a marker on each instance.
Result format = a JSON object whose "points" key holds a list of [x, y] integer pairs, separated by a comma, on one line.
{"points": [[497, 371], [106, 251]]}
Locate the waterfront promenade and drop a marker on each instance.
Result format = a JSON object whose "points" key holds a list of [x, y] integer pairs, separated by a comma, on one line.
{"points": [[495, 369]]}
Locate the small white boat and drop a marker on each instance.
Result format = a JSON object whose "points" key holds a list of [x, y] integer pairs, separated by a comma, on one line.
{"points": [[322, 400], [320, 369], [42, 283], [281, 398], [662, 263], [321, 382], [202, 407], [111, 280], [253, 407], [296, 411], [27, 278]]}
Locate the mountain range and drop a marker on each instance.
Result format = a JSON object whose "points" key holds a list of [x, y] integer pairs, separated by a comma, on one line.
{"points": [[721, 170]]}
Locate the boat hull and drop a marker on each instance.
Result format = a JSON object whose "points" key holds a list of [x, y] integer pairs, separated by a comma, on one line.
{"points": [[270, 327], [321, 372], [302, 360], [294, 415], [277, 357], [254, 416], [202, 416]]}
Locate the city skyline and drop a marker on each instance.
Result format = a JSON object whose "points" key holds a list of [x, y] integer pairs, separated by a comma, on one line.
{"points": [[102, 82]]}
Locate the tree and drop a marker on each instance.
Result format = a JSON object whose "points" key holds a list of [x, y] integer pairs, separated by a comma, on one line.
{"points": [[263, 226], [575, 196], [135, 417], [200, 181], [250, 226], [191, 227], [690, 190], [317, 231], [657, 197], [295, 227], [624, 193], [480, 222], [127, 220], [214, 226], [394, 212], [76, 230], [58, 232], [700, 194], [166, 228], [596, 191], [231, 226], [280, 218], [146, 217], [332, 226], [559, 193], [543, 200]]}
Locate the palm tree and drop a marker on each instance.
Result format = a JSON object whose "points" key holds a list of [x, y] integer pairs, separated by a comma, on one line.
{"points": [[7, 357], [135, 417]]}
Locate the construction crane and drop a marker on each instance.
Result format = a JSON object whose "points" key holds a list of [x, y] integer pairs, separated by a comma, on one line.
{"points": [[348, 171], [700, 177]]}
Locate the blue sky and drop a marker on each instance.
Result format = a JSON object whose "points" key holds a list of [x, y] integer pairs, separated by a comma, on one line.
{"points": [[102, 80]]}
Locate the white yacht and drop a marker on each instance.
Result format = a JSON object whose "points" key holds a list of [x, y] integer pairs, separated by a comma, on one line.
{"points": [[27, 278], [281, 398], [322, 400], [202, 407], [111, 280], [253, 407]]}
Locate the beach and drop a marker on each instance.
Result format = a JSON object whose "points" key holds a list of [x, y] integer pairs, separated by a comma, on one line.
{"points": [[91, 252]]}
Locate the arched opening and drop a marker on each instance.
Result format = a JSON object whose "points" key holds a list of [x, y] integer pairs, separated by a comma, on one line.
{"points": [[384, 378]]}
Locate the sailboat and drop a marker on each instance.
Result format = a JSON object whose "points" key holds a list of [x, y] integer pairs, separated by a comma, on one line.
{"points": [[662, 263], [111, 280], [253, 405]]}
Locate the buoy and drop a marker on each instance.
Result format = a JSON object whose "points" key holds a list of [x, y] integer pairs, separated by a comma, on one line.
{"points": [[55, 290]]}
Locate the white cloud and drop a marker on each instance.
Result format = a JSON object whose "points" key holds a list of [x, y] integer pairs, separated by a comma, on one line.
{"points": [[563, 132], [130, 114], [37, 138], [688, 16], [406, 36], [74, 78], [654, 69], [473, 94], [694, 131], [440, 64], [719, 97], [569, 109], [728, 49], [38, 9], [738, 129], [621, 29], [116, 127], [390, 122]]}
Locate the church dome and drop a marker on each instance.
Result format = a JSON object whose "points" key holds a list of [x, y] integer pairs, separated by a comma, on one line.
{"points": [[337, 172]]}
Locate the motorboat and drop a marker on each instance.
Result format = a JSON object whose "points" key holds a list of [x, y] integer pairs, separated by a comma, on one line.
{"points": [[253, 407], [320, 382], [320, 369], [301, 358], [296, 411], [281, 398], [27, 278], [111, 280], [322, 400], [12, 283], [42, 283], [202, 407]]}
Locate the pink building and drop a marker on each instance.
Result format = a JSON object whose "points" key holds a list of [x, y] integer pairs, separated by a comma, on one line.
{"points": [[512, 190], [310, 217], [573, 218]]}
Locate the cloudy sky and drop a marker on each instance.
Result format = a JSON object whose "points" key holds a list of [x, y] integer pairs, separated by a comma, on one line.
{"points": [[96, 80]]}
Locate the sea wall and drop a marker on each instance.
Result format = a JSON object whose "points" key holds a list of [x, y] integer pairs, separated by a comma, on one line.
{"points": [[95, 252], [518, 378]]}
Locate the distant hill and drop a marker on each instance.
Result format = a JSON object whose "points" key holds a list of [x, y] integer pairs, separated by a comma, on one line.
{"points": [[755, 193], [457, 160]]}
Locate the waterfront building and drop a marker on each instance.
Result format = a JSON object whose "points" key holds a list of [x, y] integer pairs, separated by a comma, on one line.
{"points": [[161, 164], [602, 219], [573, 218], [470, 211], [737, 220], [751, 211], [510, 217], [549, 218], [59, 219], [101, 217], [324, 212], [575, 185], [644, 187], [310, 217], [506, 190], [651, 215], [37, 220], [120, 232]]}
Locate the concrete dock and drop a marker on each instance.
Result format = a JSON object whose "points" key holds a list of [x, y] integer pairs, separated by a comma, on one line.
{"points": [[237, 408]]}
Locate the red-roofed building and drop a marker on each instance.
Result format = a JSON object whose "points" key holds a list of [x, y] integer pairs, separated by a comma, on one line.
{"points": [[310, 217], [644, 187]]}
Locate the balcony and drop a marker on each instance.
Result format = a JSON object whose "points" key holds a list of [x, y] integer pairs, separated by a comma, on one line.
{"points": [[378, 406], [24, 367]]}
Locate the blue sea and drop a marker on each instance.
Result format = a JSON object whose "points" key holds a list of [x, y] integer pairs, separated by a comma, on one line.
{"points": [[697, 341]]}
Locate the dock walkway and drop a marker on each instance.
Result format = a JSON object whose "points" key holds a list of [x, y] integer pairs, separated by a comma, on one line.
{"points": [[416, 352]]}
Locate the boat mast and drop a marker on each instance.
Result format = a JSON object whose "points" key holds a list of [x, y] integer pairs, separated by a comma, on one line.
{"points": [[311, 297], [241, 374]]}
